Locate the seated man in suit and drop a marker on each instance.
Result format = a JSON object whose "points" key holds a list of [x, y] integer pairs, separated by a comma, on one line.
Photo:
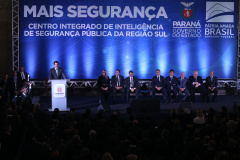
{"points": [[212, 83], [182, 87], [171, 83], [56, 72], [158, 85], [196, 85], [117, 83], [131, 85], [22, 74]]}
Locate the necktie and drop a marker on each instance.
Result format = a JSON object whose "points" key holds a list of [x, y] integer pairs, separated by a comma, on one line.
{"points": [[211, 78], [159, 78], [57, 72], [195, 79], [23, 76], [171, 78], [131, 81], [118, 83]]}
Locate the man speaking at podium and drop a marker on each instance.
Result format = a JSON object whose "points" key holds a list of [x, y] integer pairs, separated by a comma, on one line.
{"points": [[56, 72]]}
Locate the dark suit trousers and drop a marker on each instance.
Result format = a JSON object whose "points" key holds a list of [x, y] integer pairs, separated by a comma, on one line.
{"points": [[199, 89], [180, 93], [215, 91], [104, 94], [163, 91], [114, 90], [129, 91], [174, 93]]}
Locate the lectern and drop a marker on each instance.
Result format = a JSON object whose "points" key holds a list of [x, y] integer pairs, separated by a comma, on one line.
{"points": [[59, 94]]}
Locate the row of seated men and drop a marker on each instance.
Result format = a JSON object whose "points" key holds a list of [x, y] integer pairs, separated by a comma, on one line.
{"points": [[166, 86], [15, 85]]}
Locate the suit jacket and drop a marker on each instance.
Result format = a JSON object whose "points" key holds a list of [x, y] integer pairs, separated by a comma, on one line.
{"points": [[27, 88], [156, 83], [127, 82], [53, 74], [5, 83], [192, 79], [20, 76], [18, 84], [213, 83], [170, 83], [182, 83], [114, 81]]}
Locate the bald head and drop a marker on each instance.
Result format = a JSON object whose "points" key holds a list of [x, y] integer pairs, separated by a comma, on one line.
{"points": [[195, 74]]}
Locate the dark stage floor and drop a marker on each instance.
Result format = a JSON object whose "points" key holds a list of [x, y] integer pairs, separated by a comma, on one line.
{"points": [[80, 103]]}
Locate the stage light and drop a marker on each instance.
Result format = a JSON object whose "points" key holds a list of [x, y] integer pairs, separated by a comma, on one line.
{"points": [[127, 52], [88, 56], [228, 61], [203, 57], [143, 49], [54, 51], [71, 63], [182, 53], [110, 57], [31, 52], [162, 57]]}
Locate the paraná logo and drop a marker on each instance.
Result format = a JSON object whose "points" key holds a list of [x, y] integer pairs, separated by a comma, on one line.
{"points": [[187, 11]]}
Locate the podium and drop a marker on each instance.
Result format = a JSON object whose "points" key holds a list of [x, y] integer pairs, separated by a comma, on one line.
{"points": [[59, 94]]}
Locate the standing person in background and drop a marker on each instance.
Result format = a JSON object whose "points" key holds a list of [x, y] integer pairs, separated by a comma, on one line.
{"points": [[22, 74], [15, 85], [5, 87]]}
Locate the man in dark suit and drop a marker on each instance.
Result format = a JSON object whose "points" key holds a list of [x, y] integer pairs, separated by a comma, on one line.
{"points": [[5, 87], [196, 85], [212, 83], [22, 74], [15, 85], [131, 85], [117, 83], [158, 85], [182, 87], [56, 72], [171, 83]]}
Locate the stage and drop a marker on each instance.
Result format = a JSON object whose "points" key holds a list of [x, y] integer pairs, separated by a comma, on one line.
{"points": [[81, 103]]}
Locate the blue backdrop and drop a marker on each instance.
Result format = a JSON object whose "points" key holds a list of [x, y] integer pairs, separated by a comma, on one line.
{"points": [[193, 36]]}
